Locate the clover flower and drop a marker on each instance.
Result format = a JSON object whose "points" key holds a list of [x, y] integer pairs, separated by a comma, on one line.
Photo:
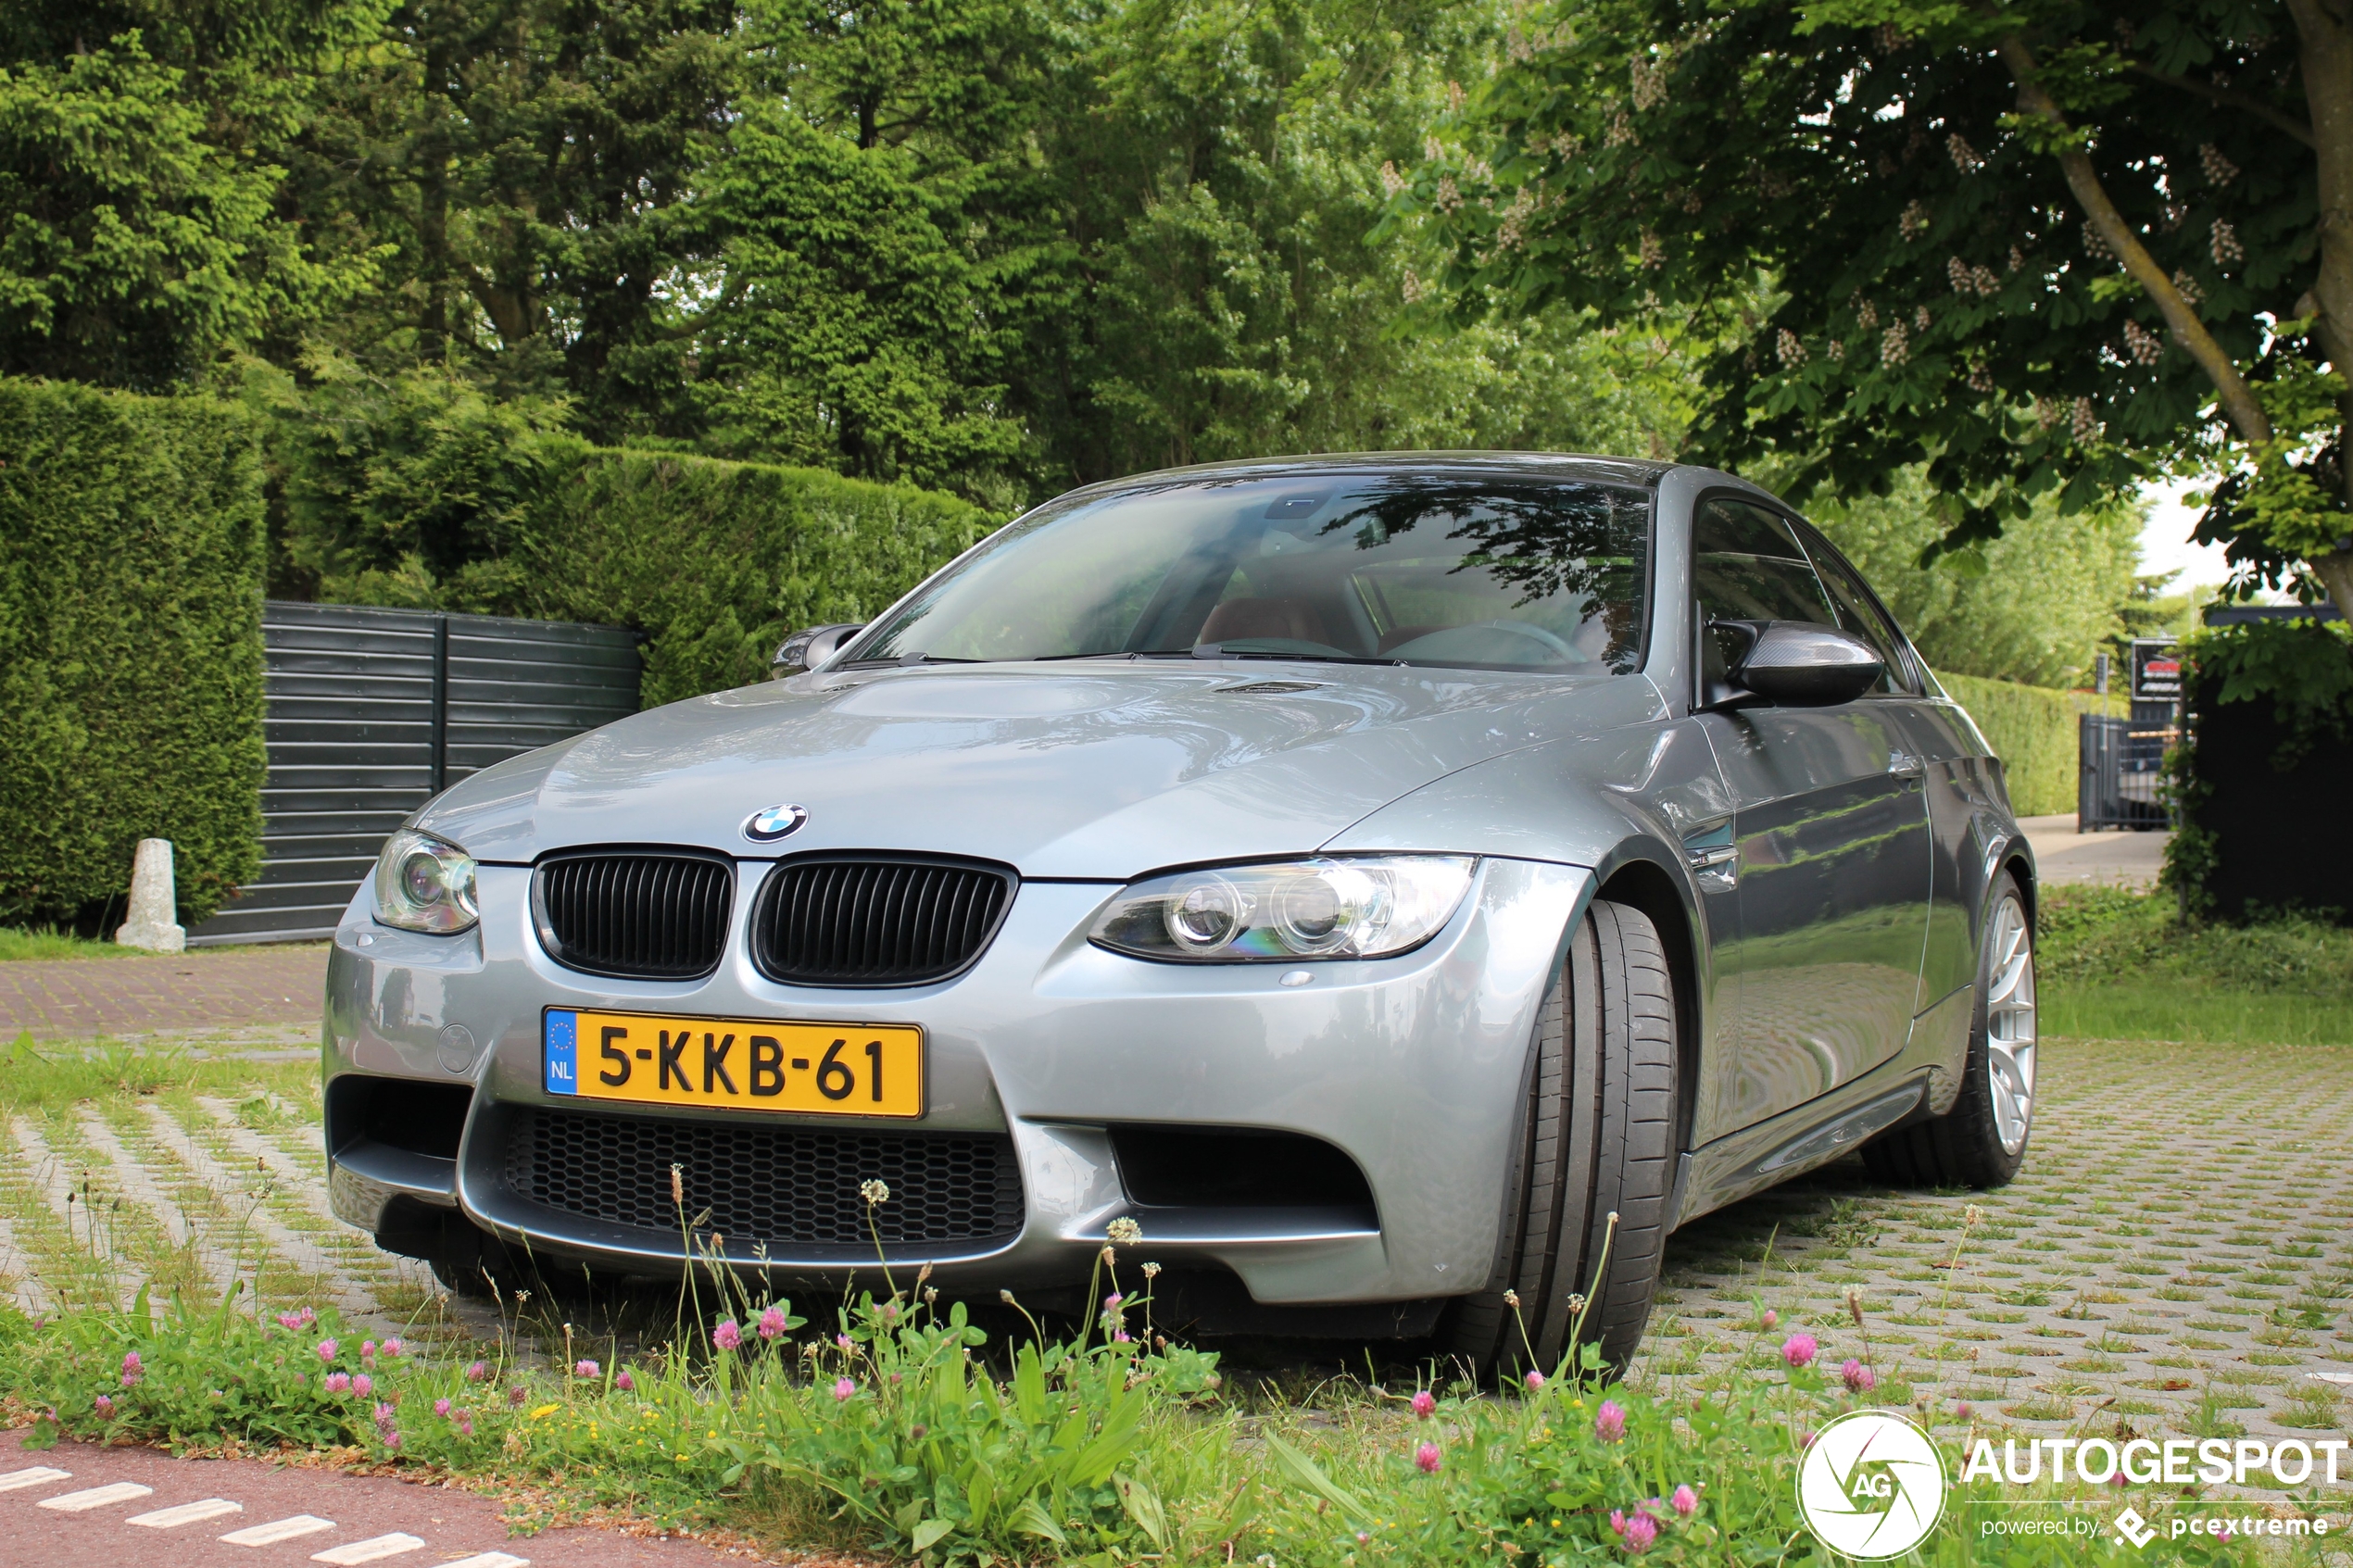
{"points": [[290, 1321], [1609, 1421], [1535, 1381], [771, 1322], [391, 1349], [1685, 1501], [479, 1371], [516, 1395], [1641, 1531], [132, 1363], [1111, 1302], [336, 1382], [1425, 1403], [328, 1349], [105, 1407], [587, 1369], [727, 1336], [622, 1381], [367, 1349], [1772, 1317], [844, 1389], [466, 1423], [1858, 1377], [1961, 1411], [1799, 1348], [363, 1386], [441, 1407], [1425, 1459]]}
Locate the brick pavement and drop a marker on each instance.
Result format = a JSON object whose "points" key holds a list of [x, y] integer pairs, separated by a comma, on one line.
{"points": [[178, 993]]}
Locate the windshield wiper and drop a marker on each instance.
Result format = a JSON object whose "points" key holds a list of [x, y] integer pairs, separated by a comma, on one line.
{"points": [[1303, 657]]}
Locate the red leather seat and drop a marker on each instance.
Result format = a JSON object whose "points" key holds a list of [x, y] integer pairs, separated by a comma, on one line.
{"points": [[1238, 619]]}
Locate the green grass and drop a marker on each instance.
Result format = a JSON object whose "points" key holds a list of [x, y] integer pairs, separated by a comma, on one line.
{"points": [[48, 942], [2119, 965], [51, 1076]]}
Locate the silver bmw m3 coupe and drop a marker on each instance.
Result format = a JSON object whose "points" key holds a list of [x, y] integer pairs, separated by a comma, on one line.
{"points": [[1382, 883]]}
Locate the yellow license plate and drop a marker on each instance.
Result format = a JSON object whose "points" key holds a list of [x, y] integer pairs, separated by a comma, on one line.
{"points": [[741, 1064]]}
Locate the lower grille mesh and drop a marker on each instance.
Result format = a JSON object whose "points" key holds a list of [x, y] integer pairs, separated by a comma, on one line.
{"points": [[787, 1186]]}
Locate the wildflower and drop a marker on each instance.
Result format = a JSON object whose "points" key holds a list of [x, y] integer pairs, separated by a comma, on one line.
{"points": [[1609, 1421], [844, 1342], [873, 1192], [772, 1322], [132, 1364], [289, 1321], [622, 1381], [478, 1371], [466, 1423], [1511, 1299], [328, 1349], [363, 1386], [105, 1407], [677, 1184], [1858, 1377], [384, 1413], [1124, 1231], [1535, 1381], [1641, 1531], [335, 1381], [1425, 1402], [1111, 1302], [367, 1349], [1961, 1411], [1121, 1336], [391, 1436], [1007, 1298], [844, 1389], [1152, 1271], [516, 1395], [587, 1369], [441, 1407], [727, 1336], [1772, 1317], [1685, 1501], [1798, 1349], [1425, 1459], [391, 1349], [1855, 1304], [1805, 1439], [308, 1317]]}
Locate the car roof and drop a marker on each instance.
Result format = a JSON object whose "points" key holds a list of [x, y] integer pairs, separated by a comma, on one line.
{"points": [[1516, 465]]}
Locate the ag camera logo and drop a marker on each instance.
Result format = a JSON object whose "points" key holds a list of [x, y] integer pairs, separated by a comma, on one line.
{"points": [[1871, 1487]]}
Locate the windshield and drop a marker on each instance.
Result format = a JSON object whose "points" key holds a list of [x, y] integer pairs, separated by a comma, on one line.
{"points": [[1395, 568]]}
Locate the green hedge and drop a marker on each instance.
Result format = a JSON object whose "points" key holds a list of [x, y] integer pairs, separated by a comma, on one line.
{"points": [[2032, 730], [717, 562], [131, 684]]}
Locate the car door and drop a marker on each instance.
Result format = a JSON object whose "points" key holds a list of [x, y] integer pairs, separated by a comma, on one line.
{"points": [[1831, 863]]}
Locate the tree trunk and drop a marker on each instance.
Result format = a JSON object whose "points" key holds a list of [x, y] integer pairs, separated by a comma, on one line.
{"points": [[2327, 53]]}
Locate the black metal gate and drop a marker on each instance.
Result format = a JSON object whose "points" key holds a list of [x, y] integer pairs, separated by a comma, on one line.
{"points": [[372, 712], [2120, 764]]}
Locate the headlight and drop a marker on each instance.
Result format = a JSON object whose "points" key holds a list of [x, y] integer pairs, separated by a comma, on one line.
{"points": [[1366, 906], [424, 885]]}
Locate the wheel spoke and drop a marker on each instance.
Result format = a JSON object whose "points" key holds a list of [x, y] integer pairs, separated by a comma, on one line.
{"points": [[2009, 1026]]}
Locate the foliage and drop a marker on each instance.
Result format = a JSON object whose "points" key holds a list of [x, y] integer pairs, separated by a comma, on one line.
{"points": [[2034, 731], [2031, 606], [2304, 667], [131, 680], [2091, 935], [1928, 189], [48, 942]]}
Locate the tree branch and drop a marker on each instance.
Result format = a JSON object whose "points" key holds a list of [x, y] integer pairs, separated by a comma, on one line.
{"points": [[2238, 400], [2277, 118]]}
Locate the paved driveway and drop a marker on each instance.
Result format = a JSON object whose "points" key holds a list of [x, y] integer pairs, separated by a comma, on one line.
{"points": [[274, 990], [2175, 1255]]}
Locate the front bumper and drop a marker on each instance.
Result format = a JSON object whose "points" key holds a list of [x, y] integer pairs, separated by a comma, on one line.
{"points": [[1413, 1066]]}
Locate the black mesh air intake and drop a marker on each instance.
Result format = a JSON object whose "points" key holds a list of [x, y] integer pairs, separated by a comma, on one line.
{"points": [[787, 1186], [642, 914], [870, 919]]}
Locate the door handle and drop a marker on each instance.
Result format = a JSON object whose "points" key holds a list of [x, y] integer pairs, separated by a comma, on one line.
{"points": [[1905, 766]]}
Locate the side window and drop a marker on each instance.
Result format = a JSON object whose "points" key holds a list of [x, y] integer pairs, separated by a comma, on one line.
{"points": [[1858, 615], [1746, 565]]}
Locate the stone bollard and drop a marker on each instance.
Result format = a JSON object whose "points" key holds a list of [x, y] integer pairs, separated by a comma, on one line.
{"points": [[152, 901]]}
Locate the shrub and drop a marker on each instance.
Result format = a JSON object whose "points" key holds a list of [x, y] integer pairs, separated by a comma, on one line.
{"points": [[131, 675], [2032, 730]]}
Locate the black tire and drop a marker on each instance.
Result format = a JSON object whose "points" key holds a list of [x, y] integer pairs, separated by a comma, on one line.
{"points": [[1597, 1141], [1966, 1147]]}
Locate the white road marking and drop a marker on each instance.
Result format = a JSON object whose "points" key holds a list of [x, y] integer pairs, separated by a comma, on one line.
{"points": [[490, 1559], [373, 1550], [186, 1514], [279, 1530], [32, 1476], [349, 1293], [2339, 1378], [96, 1497], [141, 1188]]}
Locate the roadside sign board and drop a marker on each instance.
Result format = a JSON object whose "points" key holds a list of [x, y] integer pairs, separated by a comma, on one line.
{"points": [[2156, 669]]}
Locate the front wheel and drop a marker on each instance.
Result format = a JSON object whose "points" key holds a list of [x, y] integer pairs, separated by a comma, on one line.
{"points": [[1982, 1141], [1597, 1144]]}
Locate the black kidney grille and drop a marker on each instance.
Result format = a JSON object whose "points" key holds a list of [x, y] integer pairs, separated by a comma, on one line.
{"points": [[873, 922], [787, 1186], [644, 916]]}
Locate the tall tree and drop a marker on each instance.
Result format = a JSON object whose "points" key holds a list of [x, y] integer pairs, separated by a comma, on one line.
{"points": [[2043, 245]]}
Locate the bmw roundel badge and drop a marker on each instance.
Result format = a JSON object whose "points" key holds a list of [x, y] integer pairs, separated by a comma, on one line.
{"points": [[774, 822]]}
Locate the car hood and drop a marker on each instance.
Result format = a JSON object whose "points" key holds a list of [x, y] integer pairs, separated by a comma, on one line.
{"points": [[1100, 770]]}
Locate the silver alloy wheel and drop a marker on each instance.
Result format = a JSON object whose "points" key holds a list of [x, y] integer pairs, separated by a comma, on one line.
{"points": [[2009, 1025]]}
